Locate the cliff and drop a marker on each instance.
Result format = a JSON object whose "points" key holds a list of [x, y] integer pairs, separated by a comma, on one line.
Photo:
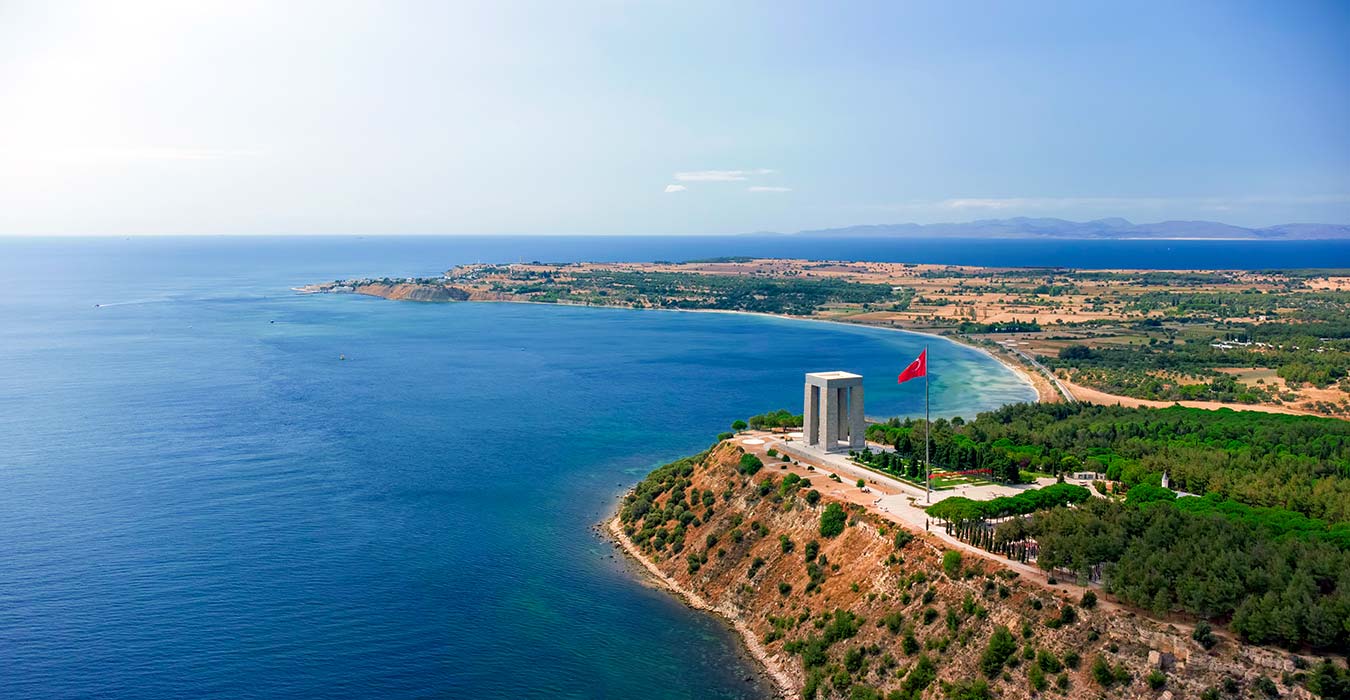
{"points": [[414, 292], [876, 611]]}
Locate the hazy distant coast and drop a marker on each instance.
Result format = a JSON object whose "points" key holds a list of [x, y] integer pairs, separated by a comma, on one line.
{"points": [[1114, 228]]}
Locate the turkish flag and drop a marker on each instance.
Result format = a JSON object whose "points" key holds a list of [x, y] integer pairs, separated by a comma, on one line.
{"points": [[917, 368]]}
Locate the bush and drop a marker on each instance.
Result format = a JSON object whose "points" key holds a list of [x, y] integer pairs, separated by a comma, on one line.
{"points": [[784, 588], [1204, 634], [951, 563], [1156, 680], [1089, 600], [832, 520], [862, 483], [1001, 648], [749, 464], [1036, 678], [977, 689], [920, 677], [812, 497], [1071, 659], [902, 538], [725, 436], [1102, 672]]}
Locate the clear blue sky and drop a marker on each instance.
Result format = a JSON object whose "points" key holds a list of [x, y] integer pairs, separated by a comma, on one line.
{"points": [[665, 117]]}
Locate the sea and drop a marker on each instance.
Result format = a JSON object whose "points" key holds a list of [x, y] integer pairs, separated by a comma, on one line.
{"points": [[214, 487]]}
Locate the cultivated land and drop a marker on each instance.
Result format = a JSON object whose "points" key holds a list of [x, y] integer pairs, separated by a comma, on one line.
{"points": [[1276, 340]]}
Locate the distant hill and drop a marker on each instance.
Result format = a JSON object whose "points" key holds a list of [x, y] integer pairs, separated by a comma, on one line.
{"points": [[1117, 228]]}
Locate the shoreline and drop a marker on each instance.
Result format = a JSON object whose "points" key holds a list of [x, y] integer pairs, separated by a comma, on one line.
{"points": [[1017, 370], [776, 674]]}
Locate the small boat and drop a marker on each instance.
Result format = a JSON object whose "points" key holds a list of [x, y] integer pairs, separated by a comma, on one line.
{"points": [[342, 357]]}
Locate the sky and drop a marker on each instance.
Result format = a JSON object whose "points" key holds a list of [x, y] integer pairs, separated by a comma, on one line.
{"points": [[687, 117]]}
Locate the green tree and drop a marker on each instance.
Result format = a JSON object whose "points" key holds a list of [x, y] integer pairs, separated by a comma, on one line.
{"points": [[832, 520], [951, 563], [1001, 647]]}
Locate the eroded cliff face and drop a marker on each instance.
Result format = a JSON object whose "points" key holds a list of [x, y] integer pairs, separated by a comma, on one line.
{"points": [[857, 615], [414, 292]]}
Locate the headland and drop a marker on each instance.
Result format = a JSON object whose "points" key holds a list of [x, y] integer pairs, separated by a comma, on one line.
{"points": [[1274, 341]]}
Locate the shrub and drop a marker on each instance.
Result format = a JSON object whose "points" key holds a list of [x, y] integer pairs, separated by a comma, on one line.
{"points": [[1071, 659], [1001, 647], [862, 483], [1156, 680], [1036, 678], [832, 520], [1089, 600], [1101, 672], [951, 563], [812, 497], [1204, 634], [1068, 615], [784, 588], [785, 544], [920, 677], [749, 464]]}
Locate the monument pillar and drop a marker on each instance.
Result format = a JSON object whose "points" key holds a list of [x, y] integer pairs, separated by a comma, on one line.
{"points": [[832, 412]]}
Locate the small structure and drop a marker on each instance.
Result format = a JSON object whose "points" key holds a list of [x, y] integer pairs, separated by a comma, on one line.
{"points": [[832, 419]]}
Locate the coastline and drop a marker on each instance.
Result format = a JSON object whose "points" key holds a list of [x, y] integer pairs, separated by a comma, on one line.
{"points": [[776, 673], [1016, 369]]}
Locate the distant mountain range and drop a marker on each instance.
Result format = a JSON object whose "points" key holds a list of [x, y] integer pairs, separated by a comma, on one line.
{"points": [[1112, 228]]}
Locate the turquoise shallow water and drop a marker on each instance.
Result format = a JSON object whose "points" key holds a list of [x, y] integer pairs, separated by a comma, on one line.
{"points": [[198, 499]]}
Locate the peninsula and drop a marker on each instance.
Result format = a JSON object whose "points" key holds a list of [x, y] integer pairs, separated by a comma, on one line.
{"points": [[1276, 341]]}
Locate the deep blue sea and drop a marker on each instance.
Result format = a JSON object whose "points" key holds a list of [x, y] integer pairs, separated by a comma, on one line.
{"points": [[199, 499]]}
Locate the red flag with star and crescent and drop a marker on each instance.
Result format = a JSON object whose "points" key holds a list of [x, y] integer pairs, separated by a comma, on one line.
{"points": [[917, 368]]}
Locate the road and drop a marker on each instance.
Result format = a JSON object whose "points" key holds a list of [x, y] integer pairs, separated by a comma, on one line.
{"points": [[1068, 395]]}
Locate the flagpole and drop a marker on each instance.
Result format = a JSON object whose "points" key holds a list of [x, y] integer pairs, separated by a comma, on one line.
{"points": [[927, 427]]}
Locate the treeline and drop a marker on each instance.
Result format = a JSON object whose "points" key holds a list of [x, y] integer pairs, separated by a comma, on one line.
{"points": [[681, 290], [782, 418], [960, 508], [1296, 463], [1013, 326], [1165, 557], [951, 450]]}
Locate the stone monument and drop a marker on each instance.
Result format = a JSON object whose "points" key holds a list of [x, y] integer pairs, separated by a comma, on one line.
{"points": [[832, 419]]}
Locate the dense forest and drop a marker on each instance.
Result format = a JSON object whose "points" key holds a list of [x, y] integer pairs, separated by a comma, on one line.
{"points": [[1285, 590], [1294, 463], [1266, 544]]}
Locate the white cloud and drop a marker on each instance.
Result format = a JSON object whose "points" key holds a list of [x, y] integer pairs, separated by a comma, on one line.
{"points": [[763, 188], [721, 175], [676, 188]]}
